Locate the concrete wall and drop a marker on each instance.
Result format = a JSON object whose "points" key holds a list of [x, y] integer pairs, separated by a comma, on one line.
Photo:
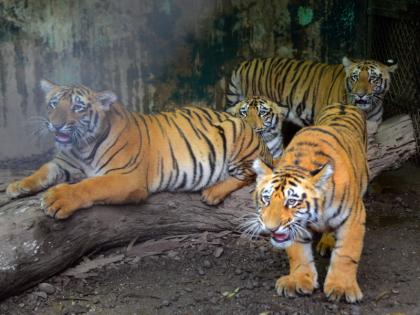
{"points": [[155, 54]]}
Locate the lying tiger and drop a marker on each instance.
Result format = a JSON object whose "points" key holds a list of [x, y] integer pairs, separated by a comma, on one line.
{"points": [[114, 156], [318, 186], [301, 88]]}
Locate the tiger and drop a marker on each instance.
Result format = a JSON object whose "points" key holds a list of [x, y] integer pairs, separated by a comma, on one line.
{"points": [[109, 155], [304, 87], [266, 117], [318, 186]]}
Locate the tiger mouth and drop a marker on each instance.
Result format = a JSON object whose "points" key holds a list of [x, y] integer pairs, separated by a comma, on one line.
{"points": [[63, 138], [363, 104], [280, 237]]}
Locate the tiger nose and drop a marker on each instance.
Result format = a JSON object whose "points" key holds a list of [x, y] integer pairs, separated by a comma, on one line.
{"points": [[57, 126], [270, 226]]}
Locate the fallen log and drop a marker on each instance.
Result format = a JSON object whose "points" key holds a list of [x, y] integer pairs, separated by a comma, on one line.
{"points": [[34, 247], [392, 145]]}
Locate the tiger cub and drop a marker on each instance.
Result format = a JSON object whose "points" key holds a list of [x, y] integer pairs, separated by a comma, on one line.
{"points": [[114, 156], [266, 117], [304, 87], [318, 186]]}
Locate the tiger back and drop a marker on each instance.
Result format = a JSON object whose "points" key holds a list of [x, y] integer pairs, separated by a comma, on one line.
{"points": [[114, 156], [318, 186], [306, 86]]}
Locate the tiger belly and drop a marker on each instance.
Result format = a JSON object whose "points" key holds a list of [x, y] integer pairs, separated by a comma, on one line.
{"points": [[187, 177]]}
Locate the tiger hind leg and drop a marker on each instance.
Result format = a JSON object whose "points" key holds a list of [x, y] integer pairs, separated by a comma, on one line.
{"points": [[326, 244], [216, 193]]}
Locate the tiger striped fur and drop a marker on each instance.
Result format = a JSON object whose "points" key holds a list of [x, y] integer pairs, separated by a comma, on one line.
{"points": [[114, 156], [304, 87], [318, 186], [266, 117]]}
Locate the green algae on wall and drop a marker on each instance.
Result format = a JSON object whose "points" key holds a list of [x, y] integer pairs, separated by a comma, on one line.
{"points": [[153, 54], [305, 15]]}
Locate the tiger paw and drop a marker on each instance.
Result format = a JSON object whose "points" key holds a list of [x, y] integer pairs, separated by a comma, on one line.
{"points": [[211, 197], [325, 244], [297, 283], [336, 287], [61, 201], [18, 189]]}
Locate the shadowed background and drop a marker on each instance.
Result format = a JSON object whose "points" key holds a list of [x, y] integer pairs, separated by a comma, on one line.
{"points": [[154, 54]]}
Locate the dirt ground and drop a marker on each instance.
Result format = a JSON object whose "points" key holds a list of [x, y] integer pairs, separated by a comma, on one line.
{"points": [[227, 274]]}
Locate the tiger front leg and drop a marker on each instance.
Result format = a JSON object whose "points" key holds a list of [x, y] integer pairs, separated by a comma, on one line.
{"points": [[49, 174], [303, 278], [342, 274], [216, 193], [63, 200]]}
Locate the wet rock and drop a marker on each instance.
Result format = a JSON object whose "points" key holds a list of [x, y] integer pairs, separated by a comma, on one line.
{"points": [[332, 306], [41, 294], [218, 252], [238, 271], [200, 271], [268, 285], [46, 287], [207, 263], [165, 303]]}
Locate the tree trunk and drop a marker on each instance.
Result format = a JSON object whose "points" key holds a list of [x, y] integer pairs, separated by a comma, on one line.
{"points": [[34, 247]]}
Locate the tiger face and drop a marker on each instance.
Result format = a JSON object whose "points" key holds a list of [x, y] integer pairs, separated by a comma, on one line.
{"points": [[75, 114], [261, 113], [367, 81], [288, 202]]}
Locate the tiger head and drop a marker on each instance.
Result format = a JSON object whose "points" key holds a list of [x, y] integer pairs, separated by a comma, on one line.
{"points": [[288, 200], [75, 114], [261, 113], [367, 81]]}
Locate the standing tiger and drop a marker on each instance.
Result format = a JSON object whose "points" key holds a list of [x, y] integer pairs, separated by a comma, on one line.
{"points": [[318, 186], [304, 87], [115, 156]]}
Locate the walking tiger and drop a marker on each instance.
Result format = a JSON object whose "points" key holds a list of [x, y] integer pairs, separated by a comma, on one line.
{"points": [[318, 186]]}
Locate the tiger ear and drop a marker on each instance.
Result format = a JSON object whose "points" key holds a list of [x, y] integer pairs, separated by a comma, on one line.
{"points": [[261, 169], [321, 175], [392, 65], [47, 86], [234, 110], [278, 109], [347, 62], [106, 98]]}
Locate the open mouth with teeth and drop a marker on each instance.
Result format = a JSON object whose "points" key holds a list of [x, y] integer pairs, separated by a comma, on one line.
{"points": [[62, 137], [280, 237], [363, 104]]}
